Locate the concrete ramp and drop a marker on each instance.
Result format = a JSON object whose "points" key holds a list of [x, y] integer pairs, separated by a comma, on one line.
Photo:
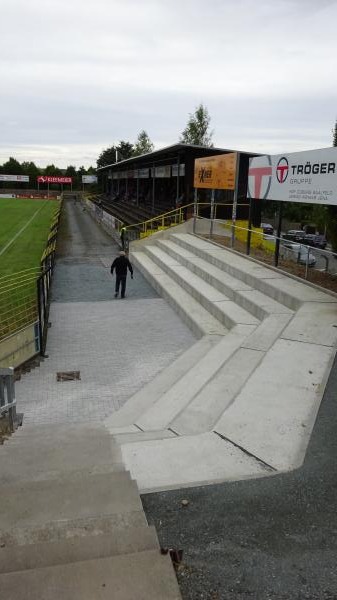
{"points": [[243, 400]]}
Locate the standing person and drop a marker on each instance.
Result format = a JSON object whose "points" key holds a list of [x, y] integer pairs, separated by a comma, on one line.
{"points": [[124, 236], [121, 264]]}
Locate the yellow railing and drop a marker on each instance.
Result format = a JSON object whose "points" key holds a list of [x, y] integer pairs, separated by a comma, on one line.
{"points": [[160, 222], [18, 305], [18, 292]]}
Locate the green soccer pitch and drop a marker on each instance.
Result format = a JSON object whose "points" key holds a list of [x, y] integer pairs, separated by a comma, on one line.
{"points": [[24, 228]]}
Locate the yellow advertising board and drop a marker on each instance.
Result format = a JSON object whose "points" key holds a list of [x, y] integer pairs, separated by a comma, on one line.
{"points": [[215, 172]]}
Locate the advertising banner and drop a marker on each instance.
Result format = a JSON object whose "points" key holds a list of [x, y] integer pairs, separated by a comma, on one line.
{"points": [[309, 177], [89, 179], [143, 173], [48, 179], [215, 172], [161, 172], [17, 178], [181, 170]]}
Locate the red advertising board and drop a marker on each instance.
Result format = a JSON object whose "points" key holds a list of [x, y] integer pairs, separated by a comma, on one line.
{"points": [[48, 179]]}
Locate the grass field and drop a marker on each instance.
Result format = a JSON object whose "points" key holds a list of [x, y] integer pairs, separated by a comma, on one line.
{"points": [[24, 229]]}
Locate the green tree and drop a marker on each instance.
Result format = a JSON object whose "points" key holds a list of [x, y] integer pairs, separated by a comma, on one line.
{"points": [[52, 171], [143, 144], [197, 130], [30, 169], [107, 157], [124, 150], [12, 167]]}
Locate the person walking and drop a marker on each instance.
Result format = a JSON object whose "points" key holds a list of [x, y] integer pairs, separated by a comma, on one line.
{"points": [[121, 264], [124, 237]]}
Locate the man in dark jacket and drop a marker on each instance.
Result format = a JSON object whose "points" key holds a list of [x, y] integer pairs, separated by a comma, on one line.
{"points": [[121, 264]]}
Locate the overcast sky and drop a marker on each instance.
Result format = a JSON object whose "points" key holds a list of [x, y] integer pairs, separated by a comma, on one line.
{"points": [[78, 76]]}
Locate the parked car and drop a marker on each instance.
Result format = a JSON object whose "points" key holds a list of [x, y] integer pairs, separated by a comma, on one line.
{"points": [[297, 252], [267, 228], [294, 235], [315, 240]]}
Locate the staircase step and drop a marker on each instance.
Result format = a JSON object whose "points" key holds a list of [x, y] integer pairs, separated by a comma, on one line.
{"points": [[76, 549], [191, 312], [273, 415], [62, 431], [18, 475], [219, 393], [171, 403], [273, 283], [52, 531], [142, 576], [43, 455], [36, 503], [149, 394], [217, 303], [260, 305]]}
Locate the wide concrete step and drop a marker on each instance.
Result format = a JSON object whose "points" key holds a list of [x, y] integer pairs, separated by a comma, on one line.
{"points": [[274, 413], [36, 503], [76, 549], [20, 476], [141, 576], [52, 531], [61, 432], [260, 305], [220, 392], [150, 393], [215, 302], [283, 289], [200, 321], [172, 402], [40, 455]]}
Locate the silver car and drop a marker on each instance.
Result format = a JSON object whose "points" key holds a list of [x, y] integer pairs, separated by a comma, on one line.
{"points": [[298, 253]]}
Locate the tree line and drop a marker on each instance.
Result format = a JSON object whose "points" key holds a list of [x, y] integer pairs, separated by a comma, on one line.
{"points": [[14, 167]]}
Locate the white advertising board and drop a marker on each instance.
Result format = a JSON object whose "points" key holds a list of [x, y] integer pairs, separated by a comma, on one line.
{"points": [[14, 178], [89, 179], [309, 177]]}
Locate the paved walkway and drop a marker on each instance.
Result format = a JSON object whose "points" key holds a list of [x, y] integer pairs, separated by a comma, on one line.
{"points": [[117, 345], [264, 539]]}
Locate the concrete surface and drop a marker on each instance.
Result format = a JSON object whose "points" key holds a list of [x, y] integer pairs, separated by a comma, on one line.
{"points": [[141, 576]]}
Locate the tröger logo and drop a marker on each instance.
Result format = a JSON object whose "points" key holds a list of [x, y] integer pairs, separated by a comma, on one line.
{"points": [[282, 169]]}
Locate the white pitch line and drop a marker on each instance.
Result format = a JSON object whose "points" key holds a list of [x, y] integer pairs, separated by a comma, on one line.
{"points": [[21, 230]]}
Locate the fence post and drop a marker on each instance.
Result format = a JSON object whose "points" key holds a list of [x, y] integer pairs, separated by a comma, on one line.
{"points": [[278, 235], [212, 213], [39, 308]]}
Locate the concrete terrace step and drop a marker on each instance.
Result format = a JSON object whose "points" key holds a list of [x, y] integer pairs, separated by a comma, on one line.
{"points": [[40, 455], [214, 398], [260, 305], [142, 576], [52, 531], [274, 413], [218, 304], [36, 503], [76, 549], [149, 394], [191, 312], [171, 403], [270, 282], [62, 431]]}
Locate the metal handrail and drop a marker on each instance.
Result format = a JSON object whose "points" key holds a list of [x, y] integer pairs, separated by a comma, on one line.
{"points": [[7, 395]]}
